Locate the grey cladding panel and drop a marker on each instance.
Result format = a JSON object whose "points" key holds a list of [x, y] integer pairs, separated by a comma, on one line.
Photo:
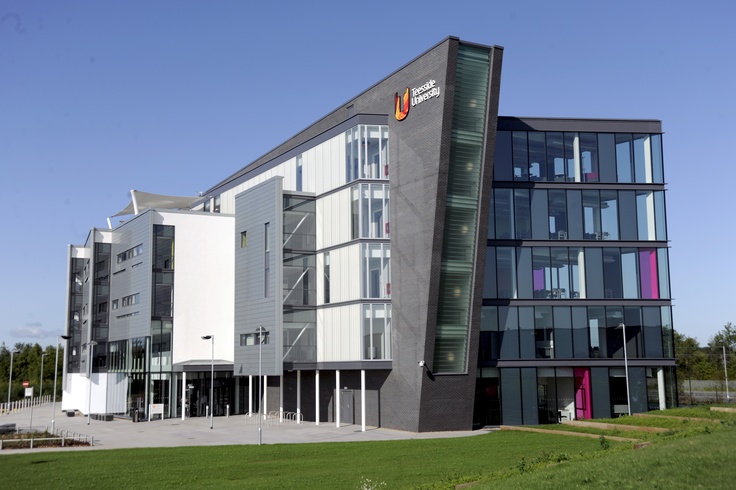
{"points": [[258, 298]]}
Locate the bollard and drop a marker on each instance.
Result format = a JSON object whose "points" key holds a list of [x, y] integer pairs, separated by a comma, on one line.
{"points": [[227, 411]]}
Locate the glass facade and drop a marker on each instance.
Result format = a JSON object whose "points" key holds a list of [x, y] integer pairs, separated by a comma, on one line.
{"points": [[461, 210], [577, 255]]}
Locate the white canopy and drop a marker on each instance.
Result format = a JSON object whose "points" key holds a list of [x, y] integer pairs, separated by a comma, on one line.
{"points": [[140, 201]]}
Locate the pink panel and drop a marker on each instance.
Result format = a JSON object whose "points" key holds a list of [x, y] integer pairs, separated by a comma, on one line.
{"points": [[583, 410], [648, 274]]}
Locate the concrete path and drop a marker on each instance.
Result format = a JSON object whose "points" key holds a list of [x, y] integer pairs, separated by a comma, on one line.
{"points": [[239, 429]]}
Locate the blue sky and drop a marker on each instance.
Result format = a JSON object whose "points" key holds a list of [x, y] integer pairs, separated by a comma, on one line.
{"points": [[97, 98]]}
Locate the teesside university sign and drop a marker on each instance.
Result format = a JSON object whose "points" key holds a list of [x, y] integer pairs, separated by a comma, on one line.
{"points": [[413, 97]]}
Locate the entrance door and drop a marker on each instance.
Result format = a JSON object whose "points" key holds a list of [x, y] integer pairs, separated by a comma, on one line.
{"points": [[347, 415]]}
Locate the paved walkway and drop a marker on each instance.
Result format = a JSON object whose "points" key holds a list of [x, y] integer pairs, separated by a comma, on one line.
{"points": [[238, 429]]}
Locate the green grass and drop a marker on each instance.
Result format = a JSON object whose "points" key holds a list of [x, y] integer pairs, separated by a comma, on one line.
{"points": [[700, 461], [400, 464], [690, 454]]}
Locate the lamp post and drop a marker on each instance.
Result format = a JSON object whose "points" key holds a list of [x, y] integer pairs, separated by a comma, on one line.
{"points": [[725, 373], [262, 333], [10, 380], [626, 367], [212, 378], [56, 370], [91, 345], [40, 390]]}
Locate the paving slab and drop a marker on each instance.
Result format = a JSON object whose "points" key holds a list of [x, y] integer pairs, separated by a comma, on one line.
{"points": [[238, 429]]}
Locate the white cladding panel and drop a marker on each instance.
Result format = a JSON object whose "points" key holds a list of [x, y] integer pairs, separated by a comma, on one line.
{"points": [[334, 216], [345, 274], [338, 334], [203, 284]]}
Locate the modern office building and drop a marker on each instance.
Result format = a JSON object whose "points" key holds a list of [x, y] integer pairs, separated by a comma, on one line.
{"points": [[411, 260]]}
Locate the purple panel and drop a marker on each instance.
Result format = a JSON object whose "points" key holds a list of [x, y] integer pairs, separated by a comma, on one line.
{"points": [[648, 274], [538, 279]]}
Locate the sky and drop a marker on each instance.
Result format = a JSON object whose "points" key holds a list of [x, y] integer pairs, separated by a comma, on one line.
{"points": [[170, 97]]}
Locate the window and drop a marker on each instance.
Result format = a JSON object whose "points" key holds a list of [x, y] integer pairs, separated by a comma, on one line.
{"points": [[132, 299], [217, 204], [130, 253], [376, 270], [299, 173], [256, 338], [267, 260], [114, 304], [376, 331], [370, 211], [366, 153], [326, 270], [243, 239]]}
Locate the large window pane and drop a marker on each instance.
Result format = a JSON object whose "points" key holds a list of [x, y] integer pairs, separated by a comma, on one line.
{"points": [[508, 322], [642, 159], [630, 273], [577, 273], [572, 157], [557, 214], [524, 272], [609, 214], [490, 346], [627, 210], [560, 273], [597, 331], [664, 273], [648, 273], [589, 157], [502, 168], [612, 273], [623, 157], [667, 332], [523, 214], [526, 332], [645, 215], [563, 333], [659, 219], [521, 156], [555, 157], [594, 273], [607, 156], [657, 167], [506, 267], [542, 281], [592, 215], [581, 341], [574, 215], [540, 215], [537, 156], [652, 317], [544, 333], [504, 206]]}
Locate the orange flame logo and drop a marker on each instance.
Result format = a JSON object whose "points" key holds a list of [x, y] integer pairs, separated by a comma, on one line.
{"points": [[401, 113]]}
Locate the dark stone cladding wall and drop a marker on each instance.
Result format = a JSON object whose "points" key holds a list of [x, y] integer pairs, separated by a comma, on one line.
{"points": [[447, 401]]}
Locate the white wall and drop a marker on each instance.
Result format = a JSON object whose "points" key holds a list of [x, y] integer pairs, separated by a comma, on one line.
{"points": [[203, 284], [338, 334], [333, 215]]}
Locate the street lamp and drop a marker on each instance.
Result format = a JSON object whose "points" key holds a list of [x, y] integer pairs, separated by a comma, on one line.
{"points": [[10, 381], [626, 367], [262, 339], [56, 369], [212, 379], [40, 390], [91, 345]]}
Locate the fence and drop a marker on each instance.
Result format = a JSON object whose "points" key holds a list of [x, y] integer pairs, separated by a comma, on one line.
{"points": [[23, 403], [62, 435], [276, 418]]}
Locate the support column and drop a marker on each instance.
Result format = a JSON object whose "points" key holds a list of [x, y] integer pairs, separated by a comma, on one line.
{"points": [[281, 397], [660, 386], [337, 398], [362, 400], [183, 395], [265, 395], [316, 397], [298, 396], [250, 395]]}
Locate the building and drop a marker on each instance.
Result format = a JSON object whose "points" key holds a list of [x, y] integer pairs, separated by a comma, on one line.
{"points": [[411, 260]]}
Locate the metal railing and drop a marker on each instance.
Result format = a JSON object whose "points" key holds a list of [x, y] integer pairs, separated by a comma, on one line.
{"points": [[62, 435], [275, 418], [23, 403]]}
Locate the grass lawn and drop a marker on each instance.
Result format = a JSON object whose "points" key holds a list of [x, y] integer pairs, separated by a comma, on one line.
{"points": [[692, 454], [400, 464]]}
